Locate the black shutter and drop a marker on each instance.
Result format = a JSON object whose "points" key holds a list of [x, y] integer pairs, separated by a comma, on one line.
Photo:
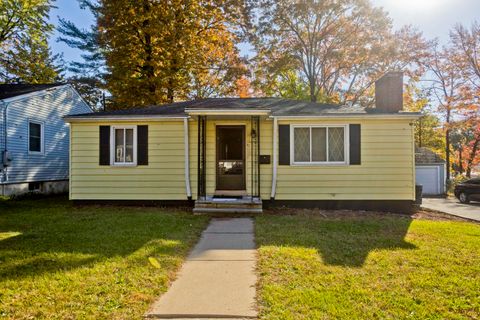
{"points": [[142, 145], [284, 144], [355, 144], [104, 158]]}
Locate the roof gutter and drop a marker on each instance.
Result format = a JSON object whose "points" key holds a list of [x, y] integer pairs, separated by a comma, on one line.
{"points": [[72, 119], [4, 106], [227, 112], [411, 116], [3, 176]]}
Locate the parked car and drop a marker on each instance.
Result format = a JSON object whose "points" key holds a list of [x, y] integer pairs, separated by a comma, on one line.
{"points": [[468, 190]]}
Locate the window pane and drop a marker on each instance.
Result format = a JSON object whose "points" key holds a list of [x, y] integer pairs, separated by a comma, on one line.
{"points": [[129, 145], [319, 144], [35, 144], [336, 149], [119, 149], [35, 131], [230, 143], [301, 144]]}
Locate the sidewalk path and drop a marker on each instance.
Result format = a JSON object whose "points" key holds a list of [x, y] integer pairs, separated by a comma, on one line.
{"points": [[218, 278], [454, 207]]}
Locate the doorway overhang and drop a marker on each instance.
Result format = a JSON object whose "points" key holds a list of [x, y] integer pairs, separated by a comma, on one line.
{"points": [[227, 112]]}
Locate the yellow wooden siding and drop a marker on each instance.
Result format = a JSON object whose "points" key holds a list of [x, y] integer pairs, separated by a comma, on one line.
{"points": [[265, 149], [266, 142], [162, 179], [386, 171]]}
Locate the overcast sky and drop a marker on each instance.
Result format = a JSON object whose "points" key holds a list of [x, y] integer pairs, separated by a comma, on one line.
{"points": [[433, 17]]}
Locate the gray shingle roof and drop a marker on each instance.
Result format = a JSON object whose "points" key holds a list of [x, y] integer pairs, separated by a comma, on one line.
{"points": [[278, 107], [13, 90], [426, 156]]}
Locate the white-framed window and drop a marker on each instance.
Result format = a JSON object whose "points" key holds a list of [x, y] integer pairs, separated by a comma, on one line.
{"points": [[35, 137], [318, 144], [123, 146]]}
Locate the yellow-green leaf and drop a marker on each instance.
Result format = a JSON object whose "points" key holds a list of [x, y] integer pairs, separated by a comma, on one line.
{"points": [[154, 262]]}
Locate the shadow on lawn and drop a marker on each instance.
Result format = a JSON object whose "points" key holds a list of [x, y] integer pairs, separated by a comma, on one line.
{"points": [[50, 235], [344, 241]]}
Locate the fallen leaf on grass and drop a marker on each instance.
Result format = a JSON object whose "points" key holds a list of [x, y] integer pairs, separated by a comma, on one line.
{"points": [[154, 262]]}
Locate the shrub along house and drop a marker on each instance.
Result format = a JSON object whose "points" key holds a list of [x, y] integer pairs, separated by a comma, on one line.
{"points": [[232, 154]]}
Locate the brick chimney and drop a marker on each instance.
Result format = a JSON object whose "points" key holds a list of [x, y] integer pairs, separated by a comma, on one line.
{"points": [[389, 92]]}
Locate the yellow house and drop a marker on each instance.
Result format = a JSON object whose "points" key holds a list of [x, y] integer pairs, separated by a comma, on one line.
{"points": [[240, 155]]}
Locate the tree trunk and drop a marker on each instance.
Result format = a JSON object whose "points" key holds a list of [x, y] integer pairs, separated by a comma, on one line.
{"points": [[420, 129], [447, 145], [313, 96], [170, 91], [147, 67], [472, 156], [447, 152], [460, 161]]}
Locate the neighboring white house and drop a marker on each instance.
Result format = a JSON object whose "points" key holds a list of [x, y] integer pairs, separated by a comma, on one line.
{"points": [[34, 139], [430, 172]]}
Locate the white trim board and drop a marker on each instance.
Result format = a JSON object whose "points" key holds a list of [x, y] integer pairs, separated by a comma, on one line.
{"points": [[411, 116], [112, 147], [346, 145], [42, 137], [122, 118]]}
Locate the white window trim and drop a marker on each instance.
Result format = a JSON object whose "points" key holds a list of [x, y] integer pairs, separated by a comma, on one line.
{"points": [[112, 147], [42, 137], [346, 146]]}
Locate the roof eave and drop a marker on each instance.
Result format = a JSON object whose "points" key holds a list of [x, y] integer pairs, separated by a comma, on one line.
{"points": [[32, 94], [227, 112], [411, 116], [120, 118]]}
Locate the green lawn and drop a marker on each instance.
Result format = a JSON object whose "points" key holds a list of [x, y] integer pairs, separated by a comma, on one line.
{"points": [[61, 262], [370, 267]]}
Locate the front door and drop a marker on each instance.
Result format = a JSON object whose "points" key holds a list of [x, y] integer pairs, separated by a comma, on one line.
{"points": [[230, 157]]}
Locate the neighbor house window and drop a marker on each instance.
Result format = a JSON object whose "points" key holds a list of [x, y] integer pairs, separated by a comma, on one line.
{"points": [[35, 133], [124, 145], [319, 144]]}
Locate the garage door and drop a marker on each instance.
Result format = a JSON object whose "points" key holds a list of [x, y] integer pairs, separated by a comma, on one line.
{"points": [[429, 178]]}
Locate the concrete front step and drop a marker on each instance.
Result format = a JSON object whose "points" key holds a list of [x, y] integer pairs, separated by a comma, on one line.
{"points": [[228, 205], [228, 210], [241, 206]]}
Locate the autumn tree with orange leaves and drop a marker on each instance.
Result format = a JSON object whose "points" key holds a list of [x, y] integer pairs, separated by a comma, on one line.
{"points": [[336, 48], [455, 71], [466, 50], [446, 86], [162, 51]]}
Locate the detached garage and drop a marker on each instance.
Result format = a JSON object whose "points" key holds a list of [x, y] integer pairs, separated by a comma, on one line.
{"points": [[430, 172]]}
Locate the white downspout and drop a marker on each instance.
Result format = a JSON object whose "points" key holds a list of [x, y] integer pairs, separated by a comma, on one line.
{"points": [[275, 158], [187, 158], [3, 173]]}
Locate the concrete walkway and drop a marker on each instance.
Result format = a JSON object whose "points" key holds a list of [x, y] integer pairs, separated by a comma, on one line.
{"points": [[218, 279], [454, 207]]}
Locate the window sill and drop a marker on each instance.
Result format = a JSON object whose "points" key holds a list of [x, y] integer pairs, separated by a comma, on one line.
{"points": [[120, 165], [319, 164]]}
